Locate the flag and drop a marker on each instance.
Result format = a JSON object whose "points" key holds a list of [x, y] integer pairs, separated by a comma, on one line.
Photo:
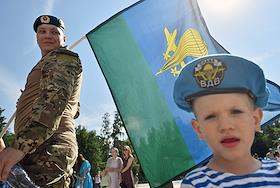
{"points": [[272, 109], [141, 50]]}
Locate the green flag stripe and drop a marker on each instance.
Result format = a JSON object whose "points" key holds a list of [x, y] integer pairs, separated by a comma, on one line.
{"points": [[146, 115]]}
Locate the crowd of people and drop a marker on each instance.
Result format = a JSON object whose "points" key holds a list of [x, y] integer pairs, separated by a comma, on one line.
{"points": [[227, 106], [273, 154], [117, 173]]}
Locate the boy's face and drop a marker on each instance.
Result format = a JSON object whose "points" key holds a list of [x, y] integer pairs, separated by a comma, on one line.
{"points": [[227, 122]]}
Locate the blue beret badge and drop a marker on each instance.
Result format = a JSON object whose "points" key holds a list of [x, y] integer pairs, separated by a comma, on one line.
{"points": [[209, 73]]}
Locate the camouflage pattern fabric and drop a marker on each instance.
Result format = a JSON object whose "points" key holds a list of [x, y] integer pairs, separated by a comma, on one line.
{"points": [[51, 164], [47, 136]]}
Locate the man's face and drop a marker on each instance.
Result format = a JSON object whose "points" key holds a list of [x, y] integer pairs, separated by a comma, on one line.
{"points": [[49, 38], [227, 122]]}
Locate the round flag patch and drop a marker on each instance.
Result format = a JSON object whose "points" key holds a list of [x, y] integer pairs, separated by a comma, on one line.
{"points": [[209, 73]]}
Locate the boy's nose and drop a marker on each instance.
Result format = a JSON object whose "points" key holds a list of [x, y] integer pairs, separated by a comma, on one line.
{"points": [[225, 124]]}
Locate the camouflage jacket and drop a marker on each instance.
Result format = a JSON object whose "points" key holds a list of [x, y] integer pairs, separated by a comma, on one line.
{"points": [[49, 102]]}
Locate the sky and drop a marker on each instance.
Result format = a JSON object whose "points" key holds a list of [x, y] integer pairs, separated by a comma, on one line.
{"points": [[247, 28]]}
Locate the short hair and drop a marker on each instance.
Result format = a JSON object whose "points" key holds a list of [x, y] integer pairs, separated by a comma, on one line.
{"points": [[116, 149]]}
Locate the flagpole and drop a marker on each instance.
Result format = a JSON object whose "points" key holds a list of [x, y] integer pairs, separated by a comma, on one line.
{"points": [[77, 42], [4, 130], [7, 125]]}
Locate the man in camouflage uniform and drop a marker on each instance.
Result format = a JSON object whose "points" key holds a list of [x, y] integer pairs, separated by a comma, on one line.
{"points": [[45, 140]]}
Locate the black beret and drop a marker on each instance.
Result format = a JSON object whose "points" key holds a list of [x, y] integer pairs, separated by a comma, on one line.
{"points": [[48, 19]]}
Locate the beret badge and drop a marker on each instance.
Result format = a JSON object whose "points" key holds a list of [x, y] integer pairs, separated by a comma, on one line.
{"points": [[209, 73], [45, 19]]}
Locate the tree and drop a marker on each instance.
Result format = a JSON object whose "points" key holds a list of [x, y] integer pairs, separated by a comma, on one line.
{"points": [[106, 135], [268, 138], [90, 146], [117, 133], [273, 131], [96, 148], [117, 130], [8, 137], [112, 133], [2, 118]]}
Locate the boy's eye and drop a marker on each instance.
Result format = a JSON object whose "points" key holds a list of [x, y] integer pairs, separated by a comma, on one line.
{"points": [[210, 116], [236, 111]]}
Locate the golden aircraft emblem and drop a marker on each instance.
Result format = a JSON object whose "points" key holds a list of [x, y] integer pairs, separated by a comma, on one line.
{"points": [[190, 44]]}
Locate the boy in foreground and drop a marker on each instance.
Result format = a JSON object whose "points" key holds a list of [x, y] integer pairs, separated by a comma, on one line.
{"points": [[226, 94]]}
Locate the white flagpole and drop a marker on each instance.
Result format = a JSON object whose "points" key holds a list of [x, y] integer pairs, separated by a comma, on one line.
{"points": [[4, 130], [77, 42], [7, 125]]}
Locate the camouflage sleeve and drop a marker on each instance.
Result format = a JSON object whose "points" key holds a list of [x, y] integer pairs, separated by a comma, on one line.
{"points": [[58, 79]]}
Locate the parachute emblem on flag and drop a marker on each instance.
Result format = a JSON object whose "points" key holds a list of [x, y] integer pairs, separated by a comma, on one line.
{"points": [[190, 44]]}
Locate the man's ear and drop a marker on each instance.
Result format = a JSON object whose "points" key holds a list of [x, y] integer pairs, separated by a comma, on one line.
{"points": [[196, 128], [258, 114]]}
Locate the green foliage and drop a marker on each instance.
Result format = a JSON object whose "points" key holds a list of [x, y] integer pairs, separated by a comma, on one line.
{"points": [[268, 138], [96, 148], [2, 118], [117, 130], [8, 137], [105, 136], [273, 132], [111, 135], [90, 146]]}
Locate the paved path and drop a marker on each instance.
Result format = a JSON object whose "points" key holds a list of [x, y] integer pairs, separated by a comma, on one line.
{"points": [[176, 184]]}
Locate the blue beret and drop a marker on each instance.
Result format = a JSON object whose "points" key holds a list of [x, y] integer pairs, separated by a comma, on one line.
{"points": [[48, 19], [221, 73]]}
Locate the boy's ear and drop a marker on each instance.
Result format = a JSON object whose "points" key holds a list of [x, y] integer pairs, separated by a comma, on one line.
{"points": [[258, 114], [196, 127]]}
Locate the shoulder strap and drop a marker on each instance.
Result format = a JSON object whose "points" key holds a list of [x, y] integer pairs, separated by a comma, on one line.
{"points": [[63, 50]]}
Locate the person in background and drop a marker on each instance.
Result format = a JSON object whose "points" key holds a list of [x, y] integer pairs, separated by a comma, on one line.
{"points": [[113, 167], [277, 156], [83, 179], [256, 156], [127, 174], [2, 146], [226, 93], [105, 179], [136, 179], [97, 180], [45, 140], [270, 154]]}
